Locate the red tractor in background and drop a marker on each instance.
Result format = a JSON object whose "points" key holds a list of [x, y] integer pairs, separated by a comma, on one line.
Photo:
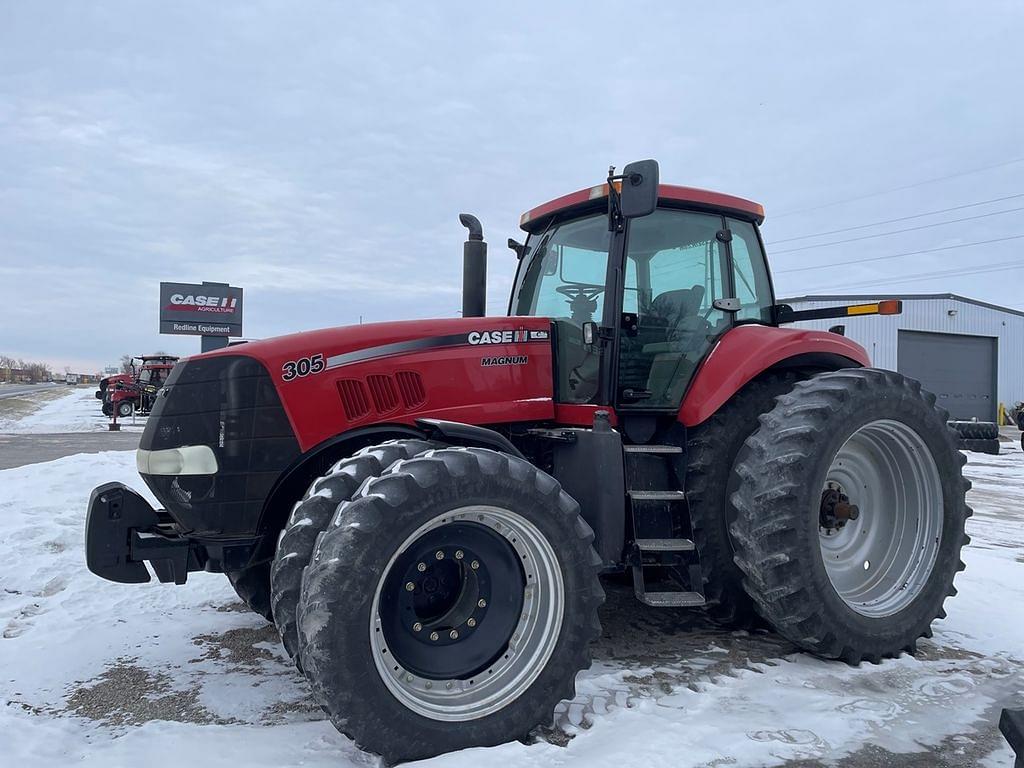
{"points": [[124, 393], [424, 508]]}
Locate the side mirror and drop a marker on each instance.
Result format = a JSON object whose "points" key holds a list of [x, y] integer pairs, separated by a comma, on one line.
{"points": [[518, 248], [639, 196]]}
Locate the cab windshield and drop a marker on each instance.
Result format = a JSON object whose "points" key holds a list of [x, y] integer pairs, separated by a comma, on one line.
{"points": [[565, 275]]}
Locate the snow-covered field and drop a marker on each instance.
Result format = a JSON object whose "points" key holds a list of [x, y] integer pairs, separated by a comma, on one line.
{"points": [[99, 674], [76, 411]]}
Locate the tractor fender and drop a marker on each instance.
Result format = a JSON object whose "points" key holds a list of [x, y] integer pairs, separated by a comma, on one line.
{"points": [[746, 351], [458, 433]]}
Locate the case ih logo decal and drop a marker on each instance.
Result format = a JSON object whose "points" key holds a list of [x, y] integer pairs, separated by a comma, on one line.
{"points": [[514, 360], [187, 302], [517, 336]]}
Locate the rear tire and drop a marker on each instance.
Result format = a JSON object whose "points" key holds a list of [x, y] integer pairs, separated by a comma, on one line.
{"points": [[711, 452], [862, 437], [312, 514], [253, 586], [534, 605]]}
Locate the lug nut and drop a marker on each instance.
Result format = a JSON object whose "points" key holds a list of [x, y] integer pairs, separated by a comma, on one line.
{"points": [[471, 623], [428, 685], [458, 554], [474, 565], [421, 567], [408, 678], [448, 685], [481, 603], [439, 555], [434, 635], [454, 634], [409, 586], [417, 627]]}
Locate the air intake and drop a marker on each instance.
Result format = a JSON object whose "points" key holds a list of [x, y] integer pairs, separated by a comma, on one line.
{"points": [[411, 386], [353, 398], [382, 390]]}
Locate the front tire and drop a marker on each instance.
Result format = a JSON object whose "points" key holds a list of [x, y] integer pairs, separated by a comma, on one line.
{"points": [[450, 605], [851, 514], [124, 409]]}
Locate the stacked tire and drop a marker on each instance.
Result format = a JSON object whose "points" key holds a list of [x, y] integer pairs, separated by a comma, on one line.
{"points": [[977, 436]]}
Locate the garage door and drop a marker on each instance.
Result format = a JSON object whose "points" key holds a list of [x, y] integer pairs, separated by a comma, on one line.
{"points": [[959, 369]]}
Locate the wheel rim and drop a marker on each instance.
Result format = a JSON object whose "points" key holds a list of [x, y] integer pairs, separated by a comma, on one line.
{"points": [[880, 519], [506, 613]]}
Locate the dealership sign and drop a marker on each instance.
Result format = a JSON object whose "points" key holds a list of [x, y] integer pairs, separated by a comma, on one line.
{"points": [[208, 309]]}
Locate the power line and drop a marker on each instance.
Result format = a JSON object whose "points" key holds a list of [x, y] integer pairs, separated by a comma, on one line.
{"points": [[898, 189], [893, 221], [983, 269], [897, 255], [897, 231]]}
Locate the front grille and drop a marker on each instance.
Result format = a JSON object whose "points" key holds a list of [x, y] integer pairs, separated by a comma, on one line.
{"points": [[230, 404]]}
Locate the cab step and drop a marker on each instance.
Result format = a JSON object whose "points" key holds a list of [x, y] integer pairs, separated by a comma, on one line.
{"points": [[662, 554], [657, 495], [659, 449], [671, 599], [665, 545]]}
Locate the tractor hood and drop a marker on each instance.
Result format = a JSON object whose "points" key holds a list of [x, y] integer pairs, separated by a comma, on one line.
{"points": [[479, 370]]}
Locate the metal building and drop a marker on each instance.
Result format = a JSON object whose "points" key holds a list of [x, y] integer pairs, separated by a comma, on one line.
{"points": [[968, 352]]}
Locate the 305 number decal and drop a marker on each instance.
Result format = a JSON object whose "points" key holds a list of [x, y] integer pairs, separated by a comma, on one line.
{"points": [[304, 366]]}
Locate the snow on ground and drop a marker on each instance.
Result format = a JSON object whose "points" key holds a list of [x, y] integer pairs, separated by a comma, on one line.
{"points": [[99, 674], [77, 411]]}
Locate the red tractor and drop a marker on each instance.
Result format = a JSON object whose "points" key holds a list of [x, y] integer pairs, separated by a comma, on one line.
{"points": [[424, 508], [125, 393]]}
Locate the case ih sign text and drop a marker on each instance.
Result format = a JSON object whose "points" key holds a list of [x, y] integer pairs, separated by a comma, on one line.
{"points": [[209, 309]]}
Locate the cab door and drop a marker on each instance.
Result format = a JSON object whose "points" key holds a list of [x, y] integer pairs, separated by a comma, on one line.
{"points": [[676, 267]]}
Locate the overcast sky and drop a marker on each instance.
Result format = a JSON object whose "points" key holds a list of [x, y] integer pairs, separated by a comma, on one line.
{"points": [[318, 153]]}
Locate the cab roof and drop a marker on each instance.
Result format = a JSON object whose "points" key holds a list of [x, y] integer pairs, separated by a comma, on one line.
{"points": [[669, 195]]}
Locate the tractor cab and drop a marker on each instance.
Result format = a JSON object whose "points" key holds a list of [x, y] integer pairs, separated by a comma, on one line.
{"points": [[154, 369], [638, 295]]}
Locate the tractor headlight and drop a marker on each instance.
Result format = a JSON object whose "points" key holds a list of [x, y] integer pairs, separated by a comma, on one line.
{"points": [[187, 460]]}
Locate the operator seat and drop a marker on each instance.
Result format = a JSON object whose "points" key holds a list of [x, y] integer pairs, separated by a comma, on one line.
{"points": [[674, 359], [677, 311]]}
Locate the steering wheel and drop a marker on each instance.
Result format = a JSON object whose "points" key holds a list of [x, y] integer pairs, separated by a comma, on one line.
{"points": [[582, 299], [589, 291]]}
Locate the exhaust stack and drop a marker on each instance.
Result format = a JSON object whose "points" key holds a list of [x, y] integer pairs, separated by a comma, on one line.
{"points": [[474, 268]]}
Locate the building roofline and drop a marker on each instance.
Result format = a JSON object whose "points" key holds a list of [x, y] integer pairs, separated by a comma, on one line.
{"points": [[901, 297]]}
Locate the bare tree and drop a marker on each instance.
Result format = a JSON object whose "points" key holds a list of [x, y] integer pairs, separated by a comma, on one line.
{"points": [[126, 364]]}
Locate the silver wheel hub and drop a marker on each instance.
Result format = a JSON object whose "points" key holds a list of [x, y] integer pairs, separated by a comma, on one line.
{"points": [[880, 520], [524, 655]]}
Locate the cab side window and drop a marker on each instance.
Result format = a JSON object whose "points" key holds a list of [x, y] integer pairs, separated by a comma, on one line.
{"points": [[750, 274]]}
